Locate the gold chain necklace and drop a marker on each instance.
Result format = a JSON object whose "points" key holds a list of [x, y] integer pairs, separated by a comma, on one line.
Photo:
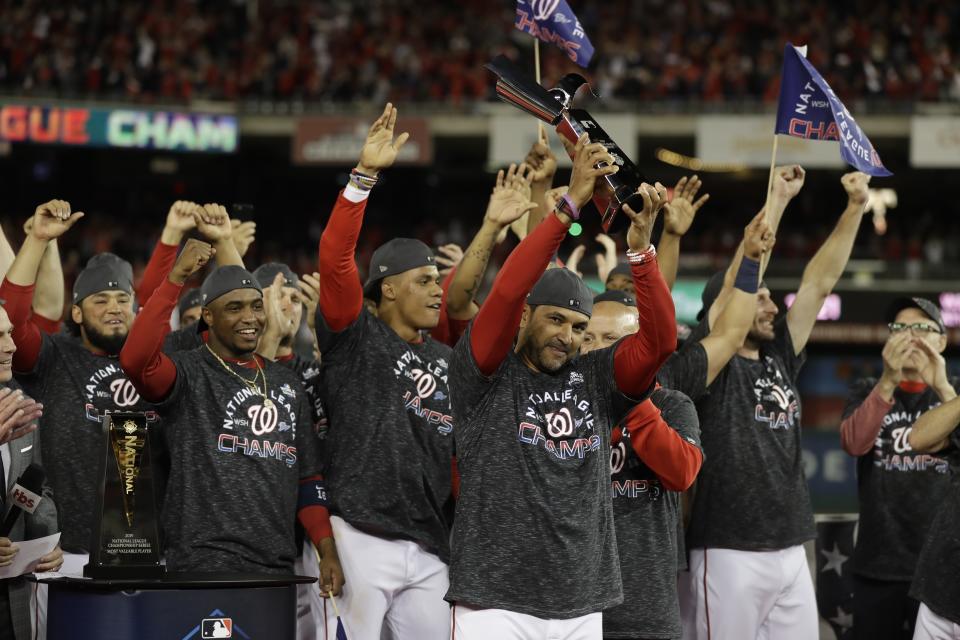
{"points": [[251, 385]]}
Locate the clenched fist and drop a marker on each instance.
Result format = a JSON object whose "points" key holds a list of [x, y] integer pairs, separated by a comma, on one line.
{"points": [[194, 256]]}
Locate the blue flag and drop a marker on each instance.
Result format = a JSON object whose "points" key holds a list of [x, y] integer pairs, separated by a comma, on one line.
{"points": [[553, 21], [809, 108], [341, 632]]}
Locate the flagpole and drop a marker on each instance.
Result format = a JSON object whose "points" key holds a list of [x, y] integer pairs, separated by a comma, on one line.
{"points": [[536, 68], [766, 205]]}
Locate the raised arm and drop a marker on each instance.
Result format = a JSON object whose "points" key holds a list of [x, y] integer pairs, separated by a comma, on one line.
{"points": [[827, 265], [638, 356], [214, 224], [787, 183], [931, 432], [7, 254], [341, 297], [50, 221], [544, 165], [180, 220], [508, 202], [675, 460], [151, 372], [496, 324], [48, 296], [733, 324], [678, 215]]}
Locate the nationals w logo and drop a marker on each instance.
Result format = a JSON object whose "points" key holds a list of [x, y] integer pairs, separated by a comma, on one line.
{"points": [[560, 424], [542, 8], [263, 419], [124, 393]]}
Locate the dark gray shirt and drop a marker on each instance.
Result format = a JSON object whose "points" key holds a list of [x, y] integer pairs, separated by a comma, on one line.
{"points": [[389, 444], [893, 521], [648, 523], [751, 491], [76, 387], [236, 464], [534, 529], [935, 583]]}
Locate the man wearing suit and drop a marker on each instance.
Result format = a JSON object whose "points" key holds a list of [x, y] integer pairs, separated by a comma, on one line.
{"points": [[20, 447]]}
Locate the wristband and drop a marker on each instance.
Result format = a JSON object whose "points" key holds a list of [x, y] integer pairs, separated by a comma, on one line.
{"points": [[362, 181], [642, 257], [748, 275], [567, 206]]}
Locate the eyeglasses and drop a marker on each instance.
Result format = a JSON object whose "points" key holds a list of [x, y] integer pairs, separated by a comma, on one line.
{"points": [[917, 327]]}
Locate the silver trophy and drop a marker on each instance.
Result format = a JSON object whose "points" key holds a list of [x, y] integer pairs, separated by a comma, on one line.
{"points": [[553, 106]]}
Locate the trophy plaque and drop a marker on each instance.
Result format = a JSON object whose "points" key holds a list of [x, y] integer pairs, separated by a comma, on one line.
{"points": [[124, 541], [554, 107]]}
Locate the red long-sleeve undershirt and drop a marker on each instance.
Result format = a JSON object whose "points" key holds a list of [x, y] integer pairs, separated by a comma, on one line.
{"points": [[46, 325], [448, 330], [860, 429], [26, 335], [638, 357], [154, 374], [675, 461], [160, 264], [341, 296]]}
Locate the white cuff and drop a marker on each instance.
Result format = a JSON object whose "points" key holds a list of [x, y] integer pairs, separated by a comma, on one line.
{"points": [[353, 194]]}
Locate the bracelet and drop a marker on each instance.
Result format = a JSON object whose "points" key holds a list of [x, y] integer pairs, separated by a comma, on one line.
{"points": [[642, 257], [362, 181], [567, 206], [748, 275]]}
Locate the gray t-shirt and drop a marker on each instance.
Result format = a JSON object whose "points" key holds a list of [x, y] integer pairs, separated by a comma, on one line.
{"points": [[533, 531], [751, 491], [893, 522], [648, 522], [76, 387], [389, 444], [236, 465]]}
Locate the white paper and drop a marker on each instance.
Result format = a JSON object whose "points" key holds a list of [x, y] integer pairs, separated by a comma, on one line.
{"points": [[29, 555]]}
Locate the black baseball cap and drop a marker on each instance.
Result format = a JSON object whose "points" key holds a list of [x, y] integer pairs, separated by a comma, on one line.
{"points": [[265, 274], [393, 257], [928, 307], [224, 280], [712, 290], [612, 295], [562, 288], [622, 269], [189, 300], [104, 272]]}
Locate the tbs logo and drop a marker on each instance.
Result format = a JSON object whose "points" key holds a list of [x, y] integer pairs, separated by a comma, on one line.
{"points": [[216, 628], [24, 498]]}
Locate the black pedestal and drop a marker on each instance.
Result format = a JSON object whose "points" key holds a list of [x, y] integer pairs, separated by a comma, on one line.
{"points": [[177, 606]]}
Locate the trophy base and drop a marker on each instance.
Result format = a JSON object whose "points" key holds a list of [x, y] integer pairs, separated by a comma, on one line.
{"points": [[123, 572]]}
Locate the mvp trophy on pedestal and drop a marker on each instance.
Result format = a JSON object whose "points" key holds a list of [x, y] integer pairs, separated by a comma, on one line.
{"points": [[124, 542], [554, 107]]}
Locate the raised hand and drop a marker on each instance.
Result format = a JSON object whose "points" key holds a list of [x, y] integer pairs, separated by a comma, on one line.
{"points": [[310, 288], [896, 352], [787, 182], [591, 161], [758, 238], [857, 186], [52, 219], [935, 371], [641, 224], [678, 214], [277, 322], [213, 222], [573, 262], [552, 196], [243, 235], [607, 260], [380, 149], [180, 216], [511, 196], [448, 258], [193, 257], [541, 160]]}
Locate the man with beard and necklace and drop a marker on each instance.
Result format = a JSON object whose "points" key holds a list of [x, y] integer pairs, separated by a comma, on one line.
{"points": [[751, 509], [389, 442], [75, 374], [244, 459], [533, 548]]}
